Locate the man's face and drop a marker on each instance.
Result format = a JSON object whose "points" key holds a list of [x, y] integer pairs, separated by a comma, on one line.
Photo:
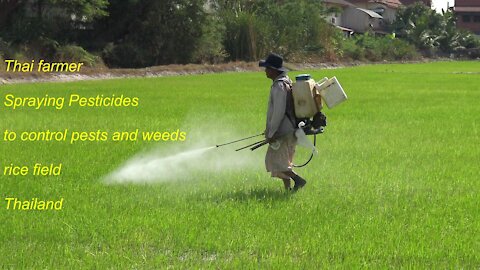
{"points": [[270, 73]]}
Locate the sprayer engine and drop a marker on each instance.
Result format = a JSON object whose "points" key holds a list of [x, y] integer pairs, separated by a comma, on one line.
{"points": [[314, 125]]}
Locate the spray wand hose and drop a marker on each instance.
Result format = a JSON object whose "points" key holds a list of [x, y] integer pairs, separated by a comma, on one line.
{"points": [[253, 145], [261, 143], [261, 134]]}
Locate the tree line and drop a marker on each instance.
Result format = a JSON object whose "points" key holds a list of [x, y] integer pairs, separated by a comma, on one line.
{"points": [[140, 33]]}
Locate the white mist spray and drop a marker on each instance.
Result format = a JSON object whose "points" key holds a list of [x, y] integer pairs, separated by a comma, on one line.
{"points": [[183, 164], [152, 168], [193, 158]]}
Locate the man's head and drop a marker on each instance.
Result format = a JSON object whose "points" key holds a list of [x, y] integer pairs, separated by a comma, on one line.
{"points": [[273, 65], [272, 73]]}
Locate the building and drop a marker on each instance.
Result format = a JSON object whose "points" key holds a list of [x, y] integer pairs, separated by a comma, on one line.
{"points": [[428, 3], [362, 16], [369, 15], [336, 8], [385, 8], [336, 14], [467, 13], [362, 20]]}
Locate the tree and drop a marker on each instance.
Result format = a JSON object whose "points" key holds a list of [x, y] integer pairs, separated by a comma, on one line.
{"points": [[7, 8], [253, 28], [430, 31], [30, 20], [151, 32], [39, 28]]}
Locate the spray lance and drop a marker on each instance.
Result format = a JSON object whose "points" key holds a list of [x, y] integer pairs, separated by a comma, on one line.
{"points": [[300, 133], [240, 140]]}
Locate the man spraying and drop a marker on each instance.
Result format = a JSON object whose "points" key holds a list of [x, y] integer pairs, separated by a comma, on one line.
{"points": [[280, 128]]}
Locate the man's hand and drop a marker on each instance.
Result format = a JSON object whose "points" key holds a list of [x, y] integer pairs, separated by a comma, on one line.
{"points": [[270, 140]]}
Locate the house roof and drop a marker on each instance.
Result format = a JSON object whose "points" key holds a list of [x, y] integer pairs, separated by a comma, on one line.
{"points": [[466, 9], [467, 3], [339, 2], [345, 29], [410, 2], [371, 13], [389, 3]]}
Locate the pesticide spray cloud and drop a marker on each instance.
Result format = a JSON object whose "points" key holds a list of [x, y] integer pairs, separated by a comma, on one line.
{"points": [[184, 162]]}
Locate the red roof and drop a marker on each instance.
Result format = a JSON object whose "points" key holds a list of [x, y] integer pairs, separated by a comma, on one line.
{"points": [[467, 3], [339, 2], [390, 3], [410, 2]]}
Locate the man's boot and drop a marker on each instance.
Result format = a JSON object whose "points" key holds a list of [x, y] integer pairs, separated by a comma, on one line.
{"points": [[299, 182]]}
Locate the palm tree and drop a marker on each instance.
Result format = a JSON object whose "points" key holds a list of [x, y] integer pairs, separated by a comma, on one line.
{"points": [[430, 31]]}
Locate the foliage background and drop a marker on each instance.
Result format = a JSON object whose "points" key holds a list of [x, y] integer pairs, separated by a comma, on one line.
{"points": [[135, 33]]}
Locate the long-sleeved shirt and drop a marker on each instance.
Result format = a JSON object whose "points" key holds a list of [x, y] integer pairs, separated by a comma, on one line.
{"points": [[278, 123]]}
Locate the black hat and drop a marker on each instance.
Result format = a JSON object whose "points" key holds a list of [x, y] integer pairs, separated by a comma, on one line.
{"points": [[273, 61]]}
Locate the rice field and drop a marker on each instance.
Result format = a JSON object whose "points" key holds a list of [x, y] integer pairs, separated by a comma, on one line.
{"points": [[395, 183]]}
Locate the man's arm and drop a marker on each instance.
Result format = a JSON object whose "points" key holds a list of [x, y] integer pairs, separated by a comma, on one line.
{"points": [[279, 105]]}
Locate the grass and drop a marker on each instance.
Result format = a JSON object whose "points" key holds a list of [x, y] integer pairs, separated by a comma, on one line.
{"points": [[395, 184]]}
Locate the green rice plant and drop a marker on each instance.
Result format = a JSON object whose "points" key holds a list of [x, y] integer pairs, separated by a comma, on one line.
{"points": [[395, 183]]}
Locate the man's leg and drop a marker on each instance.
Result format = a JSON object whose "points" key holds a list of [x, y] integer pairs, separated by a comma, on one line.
{"points": [[285, 178], [299, 181], [286, 183]]}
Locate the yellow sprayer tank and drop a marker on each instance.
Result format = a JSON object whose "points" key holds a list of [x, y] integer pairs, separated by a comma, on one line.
{"points": [[303, 93]]}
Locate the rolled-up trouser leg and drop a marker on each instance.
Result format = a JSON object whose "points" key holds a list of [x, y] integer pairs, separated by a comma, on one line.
{"points": [[278, 161]]}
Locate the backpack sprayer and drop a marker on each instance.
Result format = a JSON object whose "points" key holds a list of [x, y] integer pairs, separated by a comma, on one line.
{"points": [[308, 97]]}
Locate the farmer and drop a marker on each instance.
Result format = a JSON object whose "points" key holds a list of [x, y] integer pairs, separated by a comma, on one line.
{"points": [[280, 128]]}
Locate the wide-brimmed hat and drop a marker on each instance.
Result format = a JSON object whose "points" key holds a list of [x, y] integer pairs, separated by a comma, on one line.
{"points": [[273, 61]]}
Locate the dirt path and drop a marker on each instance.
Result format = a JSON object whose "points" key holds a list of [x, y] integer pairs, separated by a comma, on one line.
{"points": [[160, 71]]}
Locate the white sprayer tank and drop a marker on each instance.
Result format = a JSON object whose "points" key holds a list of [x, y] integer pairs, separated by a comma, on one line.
{"points": [[331, 91], [302, 92]]}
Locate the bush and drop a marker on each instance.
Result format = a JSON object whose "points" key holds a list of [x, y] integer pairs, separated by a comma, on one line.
{"points": [[126, 54], [2, 60], [246, 37], [367, 47], [42, 48], [402, 50], [352, 51], [72, 53], [250, 32], [5, 49]]}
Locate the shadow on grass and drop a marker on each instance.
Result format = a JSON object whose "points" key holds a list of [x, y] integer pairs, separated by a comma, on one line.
{"points": [[259, 195]]}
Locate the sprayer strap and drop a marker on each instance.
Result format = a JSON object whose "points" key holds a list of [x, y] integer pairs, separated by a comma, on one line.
{"points": [[290, 108], [315, 95]]}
